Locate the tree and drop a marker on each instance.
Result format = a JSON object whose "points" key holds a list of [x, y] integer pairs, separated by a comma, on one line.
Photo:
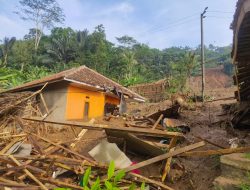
{"points": [[62, 45], [190, 62], [130, 60], [22, 54], [6, 48], [97, 50], [44, 14], [126, 41]]}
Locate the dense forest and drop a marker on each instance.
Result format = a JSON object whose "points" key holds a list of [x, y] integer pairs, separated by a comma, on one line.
{"points": [[127, 61]]}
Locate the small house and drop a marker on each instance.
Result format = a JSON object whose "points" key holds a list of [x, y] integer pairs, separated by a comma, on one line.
{"points": [[78, 94]]}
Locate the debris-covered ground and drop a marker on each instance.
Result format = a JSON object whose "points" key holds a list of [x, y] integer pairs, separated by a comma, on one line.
{"points": [[207, 122], [39, 154]]}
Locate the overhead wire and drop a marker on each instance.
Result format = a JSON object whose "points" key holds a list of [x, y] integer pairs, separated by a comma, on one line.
{"points": [[173, 23], [176, 23]]}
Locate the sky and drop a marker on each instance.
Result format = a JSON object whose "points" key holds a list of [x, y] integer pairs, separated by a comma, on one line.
{"points": [[157, 23]]}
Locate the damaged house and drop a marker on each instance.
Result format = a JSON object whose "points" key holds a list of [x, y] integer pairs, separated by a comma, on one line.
{"points": [[78, 94], [241, 60]]}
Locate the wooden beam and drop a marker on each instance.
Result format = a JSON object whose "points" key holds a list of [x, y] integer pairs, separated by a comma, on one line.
{"points": [[216, 152], [157, 122], [147, 180], [80, 135], [164, 156], [89, 126], [168, 162], [44, 103], [167, 166]]}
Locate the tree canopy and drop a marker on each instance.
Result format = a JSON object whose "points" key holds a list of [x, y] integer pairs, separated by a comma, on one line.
{"points": [[130, 62]]}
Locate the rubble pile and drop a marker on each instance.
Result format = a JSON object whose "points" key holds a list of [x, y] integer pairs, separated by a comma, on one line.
{"points": [[37, 153]]}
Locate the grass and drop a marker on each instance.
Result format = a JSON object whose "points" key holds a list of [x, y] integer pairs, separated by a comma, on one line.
{"points": [[246, 186], [247, 155]]}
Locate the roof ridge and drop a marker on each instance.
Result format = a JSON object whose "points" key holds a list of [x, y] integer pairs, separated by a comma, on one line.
{"points": [[74, 70], [103, 76], [114, 82]]}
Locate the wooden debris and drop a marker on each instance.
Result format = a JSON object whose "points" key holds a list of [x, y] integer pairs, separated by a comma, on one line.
{"points": [[164, 156], [89, 126], [44, 103], [80, 135], [66, 149], [147, 180], [167, 166], [168, 162], [28, 173], [158, 121], [216, 152], [6, 148]]}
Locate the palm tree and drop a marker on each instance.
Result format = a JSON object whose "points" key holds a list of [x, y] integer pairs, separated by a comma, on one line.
{"points": [[190, 63], [130, 60], [61, 50], [6, 48]]}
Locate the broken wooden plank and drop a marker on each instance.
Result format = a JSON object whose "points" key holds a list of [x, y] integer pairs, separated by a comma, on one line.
{"points": [[216, 152], [89, 126], [44, 103], [160, 145], [9, 183], [5, 186], [157, 122], [228, 98], [60, 183], [28, 173], [147, 180], [168, 162], [12, 136], [167, 166], [164, 156], [80, 135]]}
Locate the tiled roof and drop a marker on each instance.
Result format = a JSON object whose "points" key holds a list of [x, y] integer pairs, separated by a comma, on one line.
{"points": [[82, 75]]}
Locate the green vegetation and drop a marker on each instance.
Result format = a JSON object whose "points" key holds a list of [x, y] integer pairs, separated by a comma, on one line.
{"points": [[247, 155], [246, 186], [130, 62], [111, 183]]}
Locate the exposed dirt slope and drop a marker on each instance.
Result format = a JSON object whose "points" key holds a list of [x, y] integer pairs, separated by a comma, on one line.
{"points": [[215, 78]]}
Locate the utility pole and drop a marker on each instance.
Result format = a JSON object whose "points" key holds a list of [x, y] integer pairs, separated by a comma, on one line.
{"points": [[202, 55]]}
